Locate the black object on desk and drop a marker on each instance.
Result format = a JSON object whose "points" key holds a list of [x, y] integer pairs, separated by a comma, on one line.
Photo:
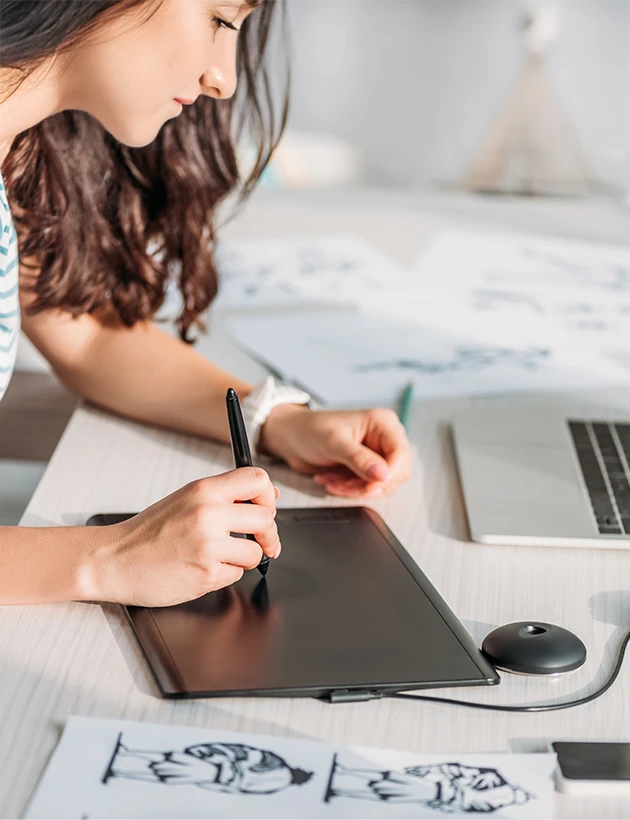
{"points": [[534, 648], [345, 615], [242, 454]]}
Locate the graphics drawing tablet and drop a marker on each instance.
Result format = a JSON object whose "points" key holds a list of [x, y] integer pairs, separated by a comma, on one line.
{"points": [[344, 613]]}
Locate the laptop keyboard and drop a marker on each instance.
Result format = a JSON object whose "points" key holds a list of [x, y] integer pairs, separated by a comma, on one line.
{"points": [[603, 451]]}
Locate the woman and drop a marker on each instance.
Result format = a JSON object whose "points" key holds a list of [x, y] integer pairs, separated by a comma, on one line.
{"points": [[117, 121]]}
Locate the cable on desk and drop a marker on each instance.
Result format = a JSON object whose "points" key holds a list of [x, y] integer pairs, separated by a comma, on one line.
{"points": [[542, 707]]}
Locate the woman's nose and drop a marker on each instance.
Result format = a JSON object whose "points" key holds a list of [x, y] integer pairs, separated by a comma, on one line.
{"points": [[220, 81]]}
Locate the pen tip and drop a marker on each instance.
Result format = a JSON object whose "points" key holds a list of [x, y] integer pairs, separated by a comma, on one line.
{"points": [[231, 393]]}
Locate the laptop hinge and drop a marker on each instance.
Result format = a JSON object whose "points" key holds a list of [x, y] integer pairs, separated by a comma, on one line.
{"points": [[351, 695]]}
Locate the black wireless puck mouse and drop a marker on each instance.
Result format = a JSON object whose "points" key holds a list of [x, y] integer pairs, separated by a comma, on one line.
{"points": [[534, 648]]}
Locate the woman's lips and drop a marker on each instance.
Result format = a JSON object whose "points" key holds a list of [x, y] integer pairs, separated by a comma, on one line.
{"points": [[183, 101]]}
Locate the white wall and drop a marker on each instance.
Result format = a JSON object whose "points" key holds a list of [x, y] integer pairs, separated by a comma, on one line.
{"points": [[414, 84]]}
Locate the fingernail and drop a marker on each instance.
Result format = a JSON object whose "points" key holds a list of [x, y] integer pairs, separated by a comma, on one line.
{"points": [[279, 550], [378, 473], [374, 492]]}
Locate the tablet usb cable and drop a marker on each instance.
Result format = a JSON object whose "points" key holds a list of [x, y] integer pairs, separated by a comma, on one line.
{"points": [[541, 707]]}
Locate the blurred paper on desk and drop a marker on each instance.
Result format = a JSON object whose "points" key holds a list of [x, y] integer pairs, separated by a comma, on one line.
{"points": [[597, 320], [583, 287], [360, 359], [524, 261], [107, 768], [334, 268]]}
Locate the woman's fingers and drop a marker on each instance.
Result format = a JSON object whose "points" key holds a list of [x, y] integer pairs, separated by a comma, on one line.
{"points": [[340, 481], [354, 488], [379, 455], [241, 552], [363, 461], [246, 484], [255, 520], [389, 437], [336, 475]]}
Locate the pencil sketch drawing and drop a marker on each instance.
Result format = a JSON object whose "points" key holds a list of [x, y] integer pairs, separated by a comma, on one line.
{"points": [[233, 265], [247, 280], [487, 299], [236, 768], [445, 787], [314, 261], [231, 768], [605, 275], [284, 271], [464, 358]]}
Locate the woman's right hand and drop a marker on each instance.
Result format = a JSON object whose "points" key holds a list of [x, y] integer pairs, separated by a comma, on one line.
{"points": [[180, 548]]}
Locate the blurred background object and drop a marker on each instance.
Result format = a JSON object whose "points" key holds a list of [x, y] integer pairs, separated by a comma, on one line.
{"points": [[532, 147], [412, 88], [308, 160]]}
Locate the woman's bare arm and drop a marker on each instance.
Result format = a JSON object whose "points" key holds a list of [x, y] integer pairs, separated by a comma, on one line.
{"points": [[140, 372]]}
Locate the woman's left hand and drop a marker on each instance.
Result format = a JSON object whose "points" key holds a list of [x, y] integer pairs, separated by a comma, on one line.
{"points": [[350, 453]]}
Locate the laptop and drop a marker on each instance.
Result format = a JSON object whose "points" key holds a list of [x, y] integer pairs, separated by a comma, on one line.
{"points": [[537, 476]]}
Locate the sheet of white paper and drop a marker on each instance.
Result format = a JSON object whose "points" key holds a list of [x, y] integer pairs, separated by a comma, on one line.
{"points": [[517, 261], [301, 270], [599, 321], [105, 768], [582, 286], [360, 359]]}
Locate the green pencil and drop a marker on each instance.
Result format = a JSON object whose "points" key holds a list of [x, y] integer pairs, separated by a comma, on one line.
{"points": [[405, 404]]}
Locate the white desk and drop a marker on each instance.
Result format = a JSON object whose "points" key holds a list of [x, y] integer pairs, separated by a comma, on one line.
{"points": [[67, 659]]}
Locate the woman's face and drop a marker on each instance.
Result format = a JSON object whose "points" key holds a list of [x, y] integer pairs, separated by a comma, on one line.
{"points": [[130, 71]]}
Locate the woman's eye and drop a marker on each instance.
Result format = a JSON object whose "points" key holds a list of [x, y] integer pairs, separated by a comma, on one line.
{"points": [[219, 22]]}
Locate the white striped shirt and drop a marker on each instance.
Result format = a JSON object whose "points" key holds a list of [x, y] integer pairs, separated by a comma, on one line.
{"points": [[9, 298]]}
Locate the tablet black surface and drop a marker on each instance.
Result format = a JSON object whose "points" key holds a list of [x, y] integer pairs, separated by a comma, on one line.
{"points": [[343, 611]]}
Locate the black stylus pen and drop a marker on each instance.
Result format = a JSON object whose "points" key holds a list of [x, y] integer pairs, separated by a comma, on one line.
{"points": [[241, 452]]}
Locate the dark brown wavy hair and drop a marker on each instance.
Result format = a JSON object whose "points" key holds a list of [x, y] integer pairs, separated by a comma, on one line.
{"points": [[107, 224]]}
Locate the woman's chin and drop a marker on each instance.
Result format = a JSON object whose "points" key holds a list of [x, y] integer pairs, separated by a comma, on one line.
{"points": [[137, 135]]}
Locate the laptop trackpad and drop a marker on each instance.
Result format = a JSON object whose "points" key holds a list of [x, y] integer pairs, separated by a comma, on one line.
{"points": [[517, 491]]}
